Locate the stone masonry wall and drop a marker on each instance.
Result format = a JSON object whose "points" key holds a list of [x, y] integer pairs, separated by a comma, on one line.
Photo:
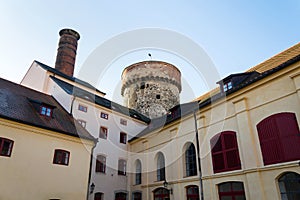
{"points": [[151, 87]]}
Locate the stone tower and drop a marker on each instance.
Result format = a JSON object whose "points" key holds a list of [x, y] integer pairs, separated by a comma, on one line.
{"points": [[151, 87]]}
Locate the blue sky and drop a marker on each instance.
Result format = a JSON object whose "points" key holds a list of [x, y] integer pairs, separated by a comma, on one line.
{"points": [[235, 34]]}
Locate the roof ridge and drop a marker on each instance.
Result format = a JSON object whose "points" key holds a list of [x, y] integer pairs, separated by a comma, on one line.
{"points": [[282, 56]]}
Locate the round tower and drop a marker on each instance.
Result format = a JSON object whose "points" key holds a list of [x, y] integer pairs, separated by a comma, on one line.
{"points": [[151, 87]]}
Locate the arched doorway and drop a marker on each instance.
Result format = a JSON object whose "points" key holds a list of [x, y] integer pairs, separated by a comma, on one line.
{"points": [[161, 194]]}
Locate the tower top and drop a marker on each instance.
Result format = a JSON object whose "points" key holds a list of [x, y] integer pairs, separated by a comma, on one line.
{"points": [[151, 87]]}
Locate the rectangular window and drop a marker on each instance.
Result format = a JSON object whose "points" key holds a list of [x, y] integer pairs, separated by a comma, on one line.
{"points": [[103, 132], [46, 111], [123, 138], [61, 157], [82, 108], [82, 123], [227, 86], [6, 146], [101, 164], [122, 167], [104, 115], [123, 122]]}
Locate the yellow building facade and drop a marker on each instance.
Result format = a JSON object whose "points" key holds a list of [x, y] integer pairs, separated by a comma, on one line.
{"points": [[248, 137], [44, 153]]}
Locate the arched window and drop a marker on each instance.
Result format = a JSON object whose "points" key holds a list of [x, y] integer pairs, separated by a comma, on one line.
{"points": [[231, 190], [138, 172], [137, 196], [161, 194], [289, 185], [160, 173], [225, 152], [98, 196], [192, 192], [190, 160], [279, 138], [121, 196]]}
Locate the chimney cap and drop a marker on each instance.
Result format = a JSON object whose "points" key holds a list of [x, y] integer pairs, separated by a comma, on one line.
{"points": [[69, 32]]}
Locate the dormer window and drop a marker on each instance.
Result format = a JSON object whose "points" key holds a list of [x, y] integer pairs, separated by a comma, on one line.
{"points": [[46, 111], [227, 86]]}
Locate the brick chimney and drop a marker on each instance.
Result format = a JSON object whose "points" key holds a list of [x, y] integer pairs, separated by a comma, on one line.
{"points": [[66, 52]]}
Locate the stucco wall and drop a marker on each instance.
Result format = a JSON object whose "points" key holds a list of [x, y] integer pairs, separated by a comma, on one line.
{"points": [[31, 172], [239, 112]]}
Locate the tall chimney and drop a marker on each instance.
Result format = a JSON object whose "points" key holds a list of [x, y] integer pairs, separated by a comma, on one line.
{"points": [[66, 52]]}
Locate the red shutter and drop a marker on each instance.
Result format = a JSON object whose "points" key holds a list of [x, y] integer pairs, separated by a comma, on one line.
{"points": [[269, 143], [289, 135], [279, 138]]}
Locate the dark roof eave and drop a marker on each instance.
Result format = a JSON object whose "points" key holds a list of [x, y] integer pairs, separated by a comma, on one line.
{"points": [[221, 95], [84, 83]]}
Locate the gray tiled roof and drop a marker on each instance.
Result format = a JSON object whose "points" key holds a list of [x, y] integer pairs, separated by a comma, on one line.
{"points": [[21, 104], [73, 90]]}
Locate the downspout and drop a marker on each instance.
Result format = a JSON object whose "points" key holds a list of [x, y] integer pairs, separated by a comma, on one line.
{"points": [[71, 109], [90, 172], [199, 160]]}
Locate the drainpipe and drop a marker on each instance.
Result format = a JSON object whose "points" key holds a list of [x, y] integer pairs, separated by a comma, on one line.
{"points": [[90, 172], [199, 160], [71, 109]]}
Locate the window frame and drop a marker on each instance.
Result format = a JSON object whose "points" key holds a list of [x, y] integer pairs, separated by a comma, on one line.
{"points": [[232, 193], [100, 164], [104, 115], [193, 196], [161, 193], [122, 167], [137, 193], [97, 195], [123, 122], [161, 167], [227, 86], [284, 184], [138, 172], [103, 135], [45, 112], [123, 138], [82, 122], [82, 108], [9, 151], [120, 197], [190, 160], [224, 151], [64, 153]]}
